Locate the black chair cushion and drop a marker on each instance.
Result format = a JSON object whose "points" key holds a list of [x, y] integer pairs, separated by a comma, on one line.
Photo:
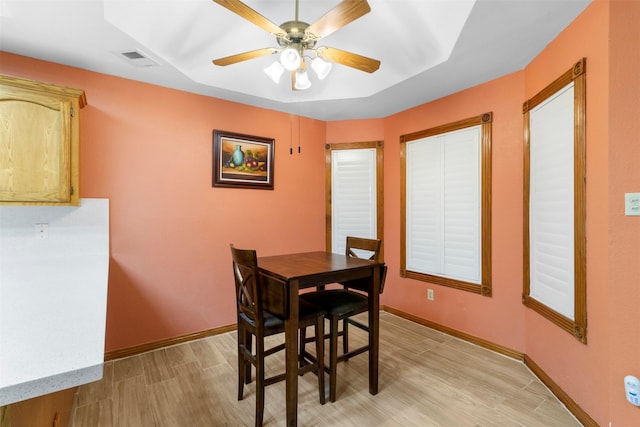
{"points": [[307, 315], [270, 321], [307, 312], [337, 302]]}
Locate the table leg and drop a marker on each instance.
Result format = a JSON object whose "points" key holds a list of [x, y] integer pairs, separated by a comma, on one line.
{"points": [[374, 329], [291, 355]]}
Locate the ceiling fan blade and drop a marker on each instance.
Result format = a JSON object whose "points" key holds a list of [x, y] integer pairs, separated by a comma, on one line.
{"points": [[345, 12], [349, 59], [244, 11], [233, 59]]}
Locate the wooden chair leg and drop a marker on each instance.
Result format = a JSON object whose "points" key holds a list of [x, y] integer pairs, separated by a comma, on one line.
{"points": [[333, 357], [345, 337], [320, 357], [301, 351], [259, 380], [248, 340], [241, 362], [240, 366]]}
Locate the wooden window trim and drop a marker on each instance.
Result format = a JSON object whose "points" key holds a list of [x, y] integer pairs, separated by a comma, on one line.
{"points": [[485, 121], [379, 146], [577, 327]]}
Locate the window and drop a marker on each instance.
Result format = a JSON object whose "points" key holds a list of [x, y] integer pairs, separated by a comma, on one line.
{"points": [[353, 193], [554, 202], [446, 205]]}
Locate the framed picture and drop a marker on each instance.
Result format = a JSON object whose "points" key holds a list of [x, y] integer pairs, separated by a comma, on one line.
{"points": [[242, 161]]}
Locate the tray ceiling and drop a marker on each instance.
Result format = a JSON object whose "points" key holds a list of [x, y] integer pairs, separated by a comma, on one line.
{"points": [[427, 48]]}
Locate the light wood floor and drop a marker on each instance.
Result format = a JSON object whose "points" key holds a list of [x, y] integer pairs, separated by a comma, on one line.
{"points": [[427, 378]]}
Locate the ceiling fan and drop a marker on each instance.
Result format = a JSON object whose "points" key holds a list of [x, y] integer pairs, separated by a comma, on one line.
{"points": [[297, 39]]}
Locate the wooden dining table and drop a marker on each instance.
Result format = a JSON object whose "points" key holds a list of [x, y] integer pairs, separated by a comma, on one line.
{"points": [[307, 270]]}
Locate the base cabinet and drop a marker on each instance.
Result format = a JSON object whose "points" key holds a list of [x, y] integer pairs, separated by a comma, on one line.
{"points": [[39, 142], [51, 410]]}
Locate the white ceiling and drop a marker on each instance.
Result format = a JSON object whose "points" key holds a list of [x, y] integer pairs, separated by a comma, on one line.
{"points": [[427, 48]]}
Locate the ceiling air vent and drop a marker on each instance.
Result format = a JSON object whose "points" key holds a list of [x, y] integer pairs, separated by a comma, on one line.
{"points": [[138, 59]]}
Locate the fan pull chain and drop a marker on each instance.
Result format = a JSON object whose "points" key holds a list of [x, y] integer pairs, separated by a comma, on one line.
{"points": [[290, 134], [299, 126], [299, 122]]}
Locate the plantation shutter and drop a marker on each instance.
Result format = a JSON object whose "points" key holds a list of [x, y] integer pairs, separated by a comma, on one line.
{"points": [[353, 196], [444, 205], [551, 202]]}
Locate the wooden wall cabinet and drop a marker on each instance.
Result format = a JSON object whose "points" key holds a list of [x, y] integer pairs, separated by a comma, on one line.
{"points": [[39, 142]]}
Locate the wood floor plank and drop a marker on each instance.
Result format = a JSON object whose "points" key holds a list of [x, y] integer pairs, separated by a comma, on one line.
{"points": [[97, 390], [215, 350], [426, 379], [131, 404], [556, 414], [536, 387], [393, 322], [538, 417], [179, 355], [206, 353], [156, 366], [97, 414], [127, 367]]}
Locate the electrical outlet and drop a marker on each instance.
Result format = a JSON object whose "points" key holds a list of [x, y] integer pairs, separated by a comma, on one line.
{"points": [[42, 231], [430, 294]]}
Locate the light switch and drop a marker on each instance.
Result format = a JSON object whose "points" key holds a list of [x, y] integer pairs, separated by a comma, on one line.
{"points": [[632, 204]]}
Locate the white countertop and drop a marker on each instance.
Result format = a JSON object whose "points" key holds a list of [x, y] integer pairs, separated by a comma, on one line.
{"points": [[53, 294]]}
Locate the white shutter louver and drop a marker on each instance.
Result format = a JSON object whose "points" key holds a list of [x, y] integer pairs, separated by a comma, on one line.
{"points": [[551, 196], [444, 205], [353, 195]]}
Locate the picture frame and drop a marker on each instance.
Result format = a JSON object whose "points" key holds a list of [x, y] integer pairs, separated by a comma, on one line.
{"points": [[242, 161]]}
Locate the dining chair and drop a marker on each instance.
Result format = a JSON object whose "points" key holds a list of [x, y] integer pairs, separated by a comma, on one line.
{"points": [[342, 305], [254, 320]]}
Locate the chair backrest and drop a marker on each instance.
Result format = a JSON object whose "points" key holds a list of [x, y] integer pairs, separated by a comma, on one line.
{"points": [[359, 243], [245, 274], [368, 246]]}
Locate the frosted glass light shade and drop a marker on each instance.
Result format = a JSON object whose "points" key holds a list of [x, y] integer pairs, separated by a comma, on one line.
{"points": [[321, 67], [274, 71], [290, 59], [302, 80]]}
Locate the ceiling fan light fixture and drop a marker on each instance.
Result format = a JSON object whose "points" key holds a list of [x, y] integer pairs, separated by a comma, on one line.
{"points": [[321, 67], [274, 71], [297, 39], [290, 59], [302, 80]]}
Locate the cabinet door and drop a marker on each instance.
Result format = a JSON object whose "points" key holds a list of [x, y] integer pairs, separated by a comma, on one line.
{"points": [[35, 139]]}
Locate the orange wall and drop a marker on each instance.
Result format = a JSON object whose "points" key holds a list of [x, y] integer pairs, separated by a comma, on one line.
{"points": [[586, 37], [499, 318], [623, 284], [148, 149], [606, 34], [355, 131]]}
